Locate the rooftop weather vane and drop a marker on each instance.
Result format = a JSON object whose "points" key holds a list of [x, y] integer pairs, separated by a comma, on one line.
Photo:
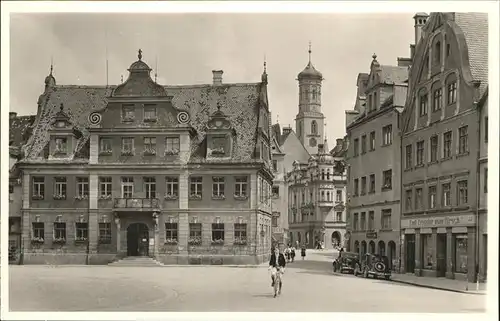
{"points": [[51, 64], [310, 51], [140, 54]]}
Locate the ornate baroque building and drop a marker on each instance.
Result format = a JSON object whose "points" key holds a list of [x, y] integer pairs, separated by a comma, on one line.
{"points": [[444, 153], [317, 198], [182, 174]]}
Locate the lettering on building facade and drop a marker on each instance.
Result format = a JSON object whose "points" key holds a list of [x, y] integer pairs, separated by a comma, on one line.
{"points": [[454, 220]]}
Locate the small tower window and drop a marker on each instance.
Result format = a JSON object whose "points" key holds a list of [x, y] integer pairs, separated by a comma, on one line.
{"points": [[314, 94], [314, 128], [437, 53]]}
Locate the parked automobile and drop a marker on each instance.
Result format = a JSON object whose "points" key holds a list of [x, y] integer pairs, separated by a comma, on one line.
{"points": [[346, 262], [374, 265]]}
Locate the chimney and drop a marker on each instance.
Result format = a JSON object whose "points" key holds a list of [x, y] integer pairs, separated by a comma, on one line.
{"points": [[287, 130], [12, 115], [217, 79], [404, 62], [420, 20], [340, 141]]}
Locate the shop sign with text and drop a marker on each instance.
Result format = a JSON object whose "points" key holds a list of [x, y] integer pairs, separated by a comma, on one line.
{"points": [[442, 221]]}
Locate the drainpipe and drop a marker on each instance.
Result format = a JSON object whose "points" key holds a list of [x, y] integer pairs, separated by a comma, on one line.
{"points": [[478, 194], [400, 188]]}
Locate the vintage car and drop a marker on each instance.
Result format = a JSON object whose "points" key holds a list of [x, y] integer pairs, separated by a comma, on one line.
{"points": [[373, 265], [346, 262]]}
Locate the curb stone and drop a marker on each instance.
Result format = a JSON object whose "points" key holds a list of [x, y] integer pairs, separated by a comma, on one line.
{"points": [[435, 287]]}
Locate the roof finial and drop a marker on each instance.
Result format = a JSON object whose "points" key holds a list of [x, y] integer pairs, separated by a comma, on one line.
{"points": [[310, 51], [156, 68], [374, 56], [51, 64], [140, 54], [265, 64]]}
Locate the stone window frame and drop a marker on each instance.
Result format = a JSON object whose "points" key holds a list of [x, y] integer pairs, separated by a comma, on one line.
{"points": [[241, 232], [150, 145], [423, 105], [127, 182], [462, 192], [218, 232], [60, 188], [356, 187], [218, 186], [172, 231], [408, 200], [434, 148], [446, 194], [386, 213], [409, 156], [355, 224], [356, 147], [172, 145], [105, 145], [104, 236], [372, 141], [437, 96], [148, 116], [38, 230], [241, 186], [420, 153], [387, 180], [38, 192], [372, 188], [371, 220], [60, 230], [149, 183], [463, 140], [419, 198], [127, 146], [362, 221], [127, 113], [81, 231], [387, 135], [432, 202], [195, 187], [61, 145], [363, 144], [105, 186], [314, 128], [82, 187], [447, 144], [363, 186]]}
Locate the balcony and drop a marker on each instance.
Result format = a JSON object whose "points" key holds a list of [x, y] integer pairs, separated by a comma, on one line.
{"points": [[136, 204], [325, 203]]}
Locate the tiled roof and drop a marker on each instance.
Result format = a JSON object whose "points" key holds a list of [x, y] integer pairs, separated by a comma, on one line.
{"points": [[19, 129], [474, 26], [393, 74], [238, 101], [340, 150]]}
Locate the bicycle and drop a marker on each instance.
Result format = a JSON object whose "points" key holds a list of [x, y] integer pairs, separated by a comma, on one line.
{"points": [[277, 281]]}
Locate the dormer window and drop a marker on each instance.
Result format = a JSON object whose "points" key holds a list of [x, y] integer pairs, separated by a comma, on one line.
{"points": [[61, 145], [128, 113], [149, 113]]}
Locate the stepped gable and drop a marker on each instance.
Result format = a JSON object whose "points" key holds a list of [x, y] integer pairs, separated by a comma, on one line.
{"points": [[240, 102]]}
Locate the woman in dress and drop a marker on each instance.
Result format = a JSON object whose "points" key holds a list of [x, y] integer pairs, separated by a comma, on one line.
{"points": [[303, 251]]}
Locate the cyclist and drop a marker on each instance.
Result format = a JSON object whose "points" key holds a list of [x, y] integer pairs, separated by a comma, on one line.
{"points": [[277, 261]]}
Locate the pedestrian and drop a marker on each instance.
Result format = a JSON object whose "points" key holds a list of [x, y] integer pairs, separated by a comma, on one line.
{"points": [[292, 253], [303, 251]]}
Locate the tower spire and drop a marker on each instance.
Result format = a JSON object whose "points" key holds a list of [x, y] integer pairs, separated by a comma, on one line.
{"points": [[264, 73]]}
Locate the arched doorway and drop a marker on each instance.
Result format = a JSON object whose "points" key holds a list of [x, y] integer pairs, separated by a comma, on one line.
{"points": [[391, 253], [381, 248], [336, 238], [356, 247], [363, 247], [137, 239], [372, 247]]}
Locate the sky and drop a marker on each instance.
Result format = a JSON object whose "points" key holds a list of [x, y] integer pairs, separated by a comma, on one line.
{"points": [[185, 48]]}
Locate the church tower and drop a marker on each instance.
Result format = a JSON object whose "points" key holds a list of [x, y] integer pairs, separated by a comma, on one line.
{"points": [[309, 122]]}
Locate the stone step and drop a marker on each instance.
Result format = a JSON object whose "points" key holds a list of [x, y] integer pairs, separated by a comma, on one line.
{"points": [[136, 261]]}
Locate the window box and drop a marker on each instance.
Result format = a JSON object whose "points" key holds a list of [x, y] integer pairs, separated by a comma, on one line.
{"points": [[37, 197], [128, 119], [127, 153], [150, 120], [81, 197], [61, 240], [105, 153], [195, 197], [171, 242], [240, 197], [149, 152], [240, 241], [59, 197], [37, 240], [105, 197], [60, 152], [218, 197], [171, 197], [217, 151], [104, 240], [218, 242], [194, 241], [80, 240], [172, 152]]}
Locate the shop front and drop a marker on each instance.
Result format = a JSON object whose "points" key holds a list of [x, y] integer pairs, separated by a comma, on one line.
{"points": [[440, 246]]}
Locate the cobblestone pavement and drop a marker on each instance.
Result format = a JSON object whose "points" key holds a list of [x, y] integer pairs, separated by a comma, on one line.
{"points": [[309, 286]]}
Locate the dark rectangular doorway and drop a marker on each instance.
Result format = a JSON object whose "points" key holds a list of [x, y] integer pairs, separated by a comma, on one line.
{"points": [[410, 253], [137, 240], [441, 254]]}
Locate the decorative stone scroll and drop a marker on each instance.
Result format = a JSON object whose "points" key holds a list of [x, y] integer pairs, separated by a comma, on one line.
{"points": [[95, 118]]}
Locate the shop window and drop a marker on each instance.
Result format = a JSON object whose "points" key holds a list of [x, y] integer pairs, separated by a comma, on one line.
{"points": [[427, 251], [461, 253]]}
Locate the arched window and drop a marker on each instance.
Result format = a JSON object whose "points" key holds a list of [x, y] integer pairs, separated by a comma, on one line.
{"points": [[437, 52], [314, 94], [328, 174], [314, 127]]}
